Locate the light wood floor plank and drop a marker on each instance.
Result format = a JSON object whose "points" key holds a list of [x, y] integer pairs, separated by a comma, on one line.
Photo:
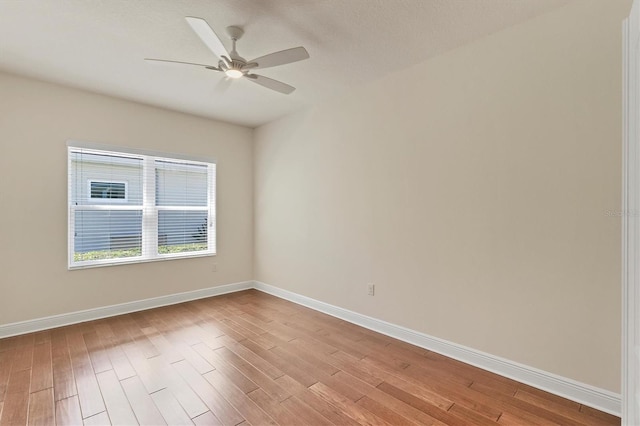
{"points": [[86, 383], [245, 406], [23, 355], [207, 419], [186, 396], [374, 394], [6, 360], [42, 408], [16, 402], [384, 412], [234, 375], [64, 384], [117, 357], [251, 357], [471, 416], [170, 408], [98, 355], [212, 397], [347, 406], [611, 419], [523, 409], [68, 412], [143, 406], [568, 411], [265, 383], [457, 390], [14, 409], [437, 412], [324, 408], [100, 419], [273, 408], [303, 411], [115, 400], [42, 368], [307, 378]]}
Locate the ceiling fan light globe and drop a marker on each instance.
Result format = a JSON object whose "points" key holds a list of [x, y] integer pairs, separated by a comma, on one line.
{"points": [[233, 73]]}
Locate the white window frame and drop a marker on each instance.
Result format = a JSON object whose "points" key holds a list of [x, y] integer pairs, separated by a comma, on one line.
{"points": [[631, 220], [148, 207], [107, 200]]}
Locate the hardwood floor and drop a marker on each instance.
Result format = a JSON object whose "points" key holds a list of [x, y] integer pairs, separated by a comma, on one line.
{"points": [[252, 359]]}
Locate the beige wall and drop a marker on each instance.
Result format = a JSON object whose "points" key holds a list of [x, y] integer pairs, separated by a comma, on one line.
{"points": [[36, 120], [472, 189]]}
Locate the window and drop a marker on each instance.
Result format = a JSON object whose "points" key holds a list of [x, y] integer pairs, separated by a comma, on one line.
{"points": [[135, 206], [101, 190]]}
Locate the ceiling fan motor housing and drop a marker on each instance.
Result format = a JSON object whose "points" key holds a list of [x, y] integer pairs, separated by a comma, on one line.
{"points": [[233, 64], [234, 61]]}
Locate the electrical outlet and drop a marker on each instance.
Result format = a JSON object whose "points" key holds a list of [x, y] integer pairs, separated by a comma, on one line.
{"points": [[214, 267], [371, 289]]}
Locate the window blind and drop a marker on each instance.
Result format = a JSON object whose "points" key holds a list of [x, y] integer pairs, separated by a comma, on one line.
{"points": [[182, 202], [130, 207]]}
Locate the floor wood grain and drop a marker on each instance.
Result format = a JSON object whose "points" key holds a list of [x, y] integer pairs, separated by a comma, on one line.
{"points": [[249, 358]]}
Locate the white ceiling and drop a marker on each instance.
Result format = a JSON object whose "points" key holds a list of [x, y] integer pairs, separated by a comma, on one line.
{"points": [[99, 45]]}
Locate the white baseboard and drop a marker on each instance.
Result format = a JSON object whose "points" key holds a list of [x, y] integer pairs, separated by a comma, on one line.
{"points": [[600, 399], [39, 324], [592, 396]]}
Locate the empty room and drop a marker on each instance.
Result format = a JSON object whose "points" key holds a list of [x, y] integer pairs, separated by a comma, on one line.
{"points": [[319, 212]]}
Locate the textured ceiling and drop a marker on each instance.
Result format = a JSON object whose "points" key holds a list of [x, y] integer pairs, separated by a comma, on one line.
{"points": [[99, 45]]}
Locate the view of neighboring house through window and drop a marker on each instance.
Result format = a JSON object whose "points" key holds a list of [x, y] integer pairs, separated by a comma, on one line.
{"points": [[128, 207], [183, 206], [99, 190]]}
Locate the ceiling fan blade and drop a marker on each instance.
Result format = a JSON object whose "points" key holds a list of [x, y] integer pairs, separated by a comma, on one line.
{"points": [[282, 57], [207, 35], [222, 85], [270, 83], [211, 67]]}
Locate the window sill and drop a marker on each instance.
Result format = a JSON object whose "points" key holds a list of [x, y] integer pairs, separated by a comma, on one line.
{"points": [[160, 258]]}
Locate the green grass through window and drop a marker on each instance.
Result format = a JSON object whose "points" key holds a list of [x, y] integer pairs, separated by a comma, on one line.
{"points": [[135, 252]]}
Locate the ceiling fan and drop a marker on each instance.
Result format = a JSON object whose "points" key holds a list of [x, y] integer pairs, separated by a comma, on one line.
{"points": [[235, 66]]}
